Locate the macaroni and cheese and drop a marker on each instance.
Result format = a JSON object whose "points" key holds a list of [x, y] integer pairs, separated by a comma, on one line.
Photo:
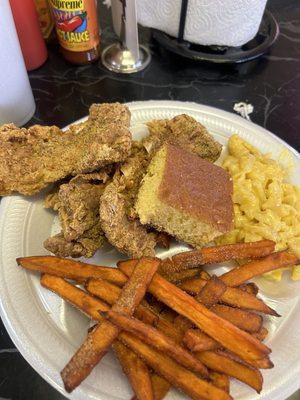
{"points": [[266, 206]]}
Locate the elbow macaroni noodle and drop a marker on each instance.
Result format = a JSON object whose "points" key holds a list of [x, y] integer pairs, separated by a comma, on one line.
{"points": [[266, 206]]}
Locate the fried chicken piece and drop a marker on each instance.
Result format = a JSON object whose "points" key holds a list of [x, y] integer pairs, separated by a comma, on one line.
{"points": [[78, 210], [32, 158], [84, 247], [117, 203], [132, 172], [52, 200], [183, 131], [128, 236]]}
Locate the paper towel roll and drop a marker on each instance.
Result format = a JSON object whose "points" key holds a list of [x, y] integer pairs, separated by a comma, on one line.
{"points": [[208, 22], [16, 99]]}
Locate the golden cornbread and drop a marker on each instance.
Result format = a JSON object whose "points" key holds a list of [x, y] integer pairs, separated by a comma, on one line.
{"points": [[186, 196]]}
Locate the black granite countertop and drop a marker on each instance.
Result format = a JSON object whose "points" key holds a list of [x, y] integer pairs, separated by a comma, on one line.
{"points": [[63, 93]]}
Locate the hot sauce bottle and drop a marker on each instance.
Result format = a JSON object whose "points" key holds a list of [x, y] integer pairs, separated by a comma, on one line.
{"points": [[77, 29]]}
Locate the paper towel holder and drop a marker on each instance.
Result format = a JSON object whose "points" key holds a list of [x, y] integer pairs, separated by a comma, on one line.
{"points": [[259, 45]]}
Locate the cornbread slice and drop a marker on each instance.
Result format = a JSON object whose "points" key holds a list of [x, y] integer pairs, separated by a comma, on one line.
{"points": [[186, 196]]}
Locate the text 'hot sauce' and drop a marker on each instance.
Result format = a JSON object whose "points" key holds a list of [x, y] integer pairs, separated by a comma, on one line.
{"points": [[77, 29]]}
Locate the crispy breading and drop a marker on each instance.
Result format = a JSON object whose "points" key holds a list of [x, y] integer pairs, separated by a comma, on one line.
{"points": [[79, 199], [32, 158], [52, 200], [81, 248], [117, 203], [183, 131], [131, 173], [128, 236], [77, 203]]}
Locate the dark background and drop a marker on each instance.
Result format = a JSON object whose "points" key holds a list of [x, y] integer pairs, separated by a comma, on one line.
{"points": [[63, 93]]}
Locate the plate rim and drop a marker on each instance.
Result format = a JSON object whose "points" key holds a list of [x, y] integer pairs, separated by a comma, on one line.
{"points": [[186, 106]]}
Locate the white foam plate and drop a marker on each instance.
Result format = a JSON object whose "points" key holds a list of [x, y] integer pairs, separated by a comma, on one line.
{"points": [[47, 331]]}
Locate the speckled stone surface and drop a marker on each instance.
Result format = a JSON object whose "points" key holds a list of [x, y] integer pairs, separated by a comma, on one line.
{"points": [[63, 93]]}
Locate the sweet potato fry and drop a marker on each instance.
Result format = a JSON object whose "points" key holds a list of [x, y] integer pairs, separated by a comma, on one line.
{"points": [[211, 293], [110, 292], [223, 364], [160, 386], [136, 371], [167, 271], [182, 323], [261, 334], [169, 330], [135, 288], [263, 363], [168, 314], [90, 306], [167, 268], [235, 297], [243, 273], [71, 269], [102, 288], [258, 249], [156, 306], [77, 297], [245, 320], [196, 340], [220, 380], [223, 331], [193, 286], [157, 340], [88, 355], [181, 276], [178, 376], [217, 254], [250, 287], [177, 334], [242, 299], [131, 263], [99, 340], [164, 325]]}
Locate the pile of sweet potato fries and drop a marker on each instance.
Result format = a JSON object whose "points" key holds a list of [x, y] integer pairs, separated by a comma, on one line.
{"points": [[168, 321]]}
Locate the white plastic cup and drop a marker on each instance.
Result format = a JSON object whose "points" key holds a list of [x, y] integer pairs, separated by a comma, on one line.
{"points": [[16, 99]]}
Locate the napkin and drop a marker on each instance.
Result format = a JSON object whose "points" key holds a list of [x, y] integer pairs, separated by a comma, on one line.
{"points": [[16, 100], [208, 22]]}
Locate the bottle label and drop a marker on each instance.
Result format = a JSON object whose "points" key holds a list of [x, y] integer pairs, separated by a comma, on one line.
{"points": [[76, 24], [45, 18]]}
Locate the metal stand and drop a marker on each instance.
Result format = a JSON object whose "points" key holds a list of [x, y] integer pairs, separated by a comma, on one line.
{"points": [[127, 56], [118, 59]]}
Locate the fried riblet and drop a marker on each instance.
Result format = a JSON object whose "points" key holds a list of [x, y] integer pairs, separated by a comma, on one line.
{"points": [[128, 236], [183, 131], [77, 203], [118, 217], [32, 158]]}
